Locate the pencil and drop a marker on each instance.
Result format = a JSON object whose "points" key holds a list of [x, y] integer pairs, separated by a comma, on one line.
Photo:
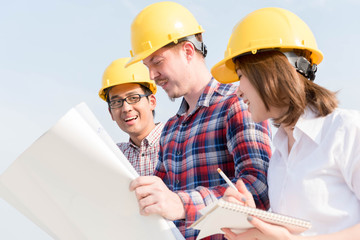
{"points": [[227, 180]]}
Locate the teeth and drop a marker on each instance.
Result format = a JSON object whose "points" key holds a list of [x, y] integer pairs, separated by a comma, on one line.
{"points": [[131, 118]]}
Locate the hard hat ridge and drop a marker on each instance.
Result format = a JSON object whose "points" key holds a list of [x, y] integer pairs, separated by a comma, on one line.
{"points": [[159, 24], [267, 29], [116, 74]]}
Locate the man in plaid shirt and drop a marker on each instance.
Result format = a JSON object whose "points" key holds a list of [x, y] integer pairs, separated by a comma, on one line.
{"points": [[211, 130], [130, 95]]}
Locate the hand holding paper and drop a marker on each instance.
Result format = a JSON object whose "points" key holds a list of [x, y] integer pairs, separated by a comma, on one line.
{"points": [[74, 183], [154, 197]]}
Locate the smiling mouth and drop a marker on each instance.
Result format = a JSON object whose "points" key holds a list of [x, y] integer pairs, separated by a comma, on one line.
{"points": [[131, 118], [161, 82]]}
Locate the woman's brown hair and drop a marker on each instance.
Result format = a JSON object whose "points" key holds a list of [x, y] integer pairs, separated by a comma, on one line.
{"points": [[280, 85]]}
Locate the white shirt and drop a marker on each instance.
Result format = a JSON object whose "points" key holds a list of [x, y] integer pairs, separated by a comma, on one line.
{"points": [[320, 179]]}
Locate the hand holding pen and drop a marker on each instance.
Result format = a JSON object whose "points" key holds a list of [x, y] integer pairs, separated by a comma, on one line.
{"points": [[238, 193]]}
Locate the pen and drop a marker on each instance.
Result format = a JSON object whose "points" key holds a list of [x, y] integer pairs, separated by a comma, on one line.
{"points": [[227, 180]]}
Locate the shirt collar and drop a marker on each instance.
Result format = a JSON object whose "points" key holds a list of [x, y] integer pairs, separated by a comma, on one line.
{"points": [[308, 124], [206, 98], [152, 138], [311, 125]]}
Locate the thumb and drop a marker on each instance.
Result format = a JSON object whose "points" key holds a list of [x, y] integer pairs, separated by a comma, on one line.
{"points": [[240, 185]]}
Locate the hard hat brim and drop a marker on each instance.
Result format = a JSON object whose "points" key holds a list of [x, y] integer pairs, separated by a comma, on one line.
{"points": [[225, 72], [141, 56]]}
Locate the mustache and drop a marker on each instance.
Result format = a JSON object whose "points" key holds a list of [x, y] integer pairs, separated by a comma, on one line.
{"points": [[160, 80]]}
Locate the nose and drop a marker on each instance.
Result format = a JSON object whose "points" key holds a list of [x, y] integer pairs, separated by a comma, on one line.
{"points": [[126, 107], [153, 73], [239, 92]]}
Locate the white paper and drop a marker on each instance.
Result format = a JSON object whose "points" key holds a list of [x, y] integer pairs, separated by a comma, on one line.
{"points": [[74, 183]]}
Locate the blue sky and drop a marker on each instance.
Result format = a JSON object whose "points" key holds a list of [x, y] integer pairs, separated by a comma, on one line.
{"points": [[53, 55]]}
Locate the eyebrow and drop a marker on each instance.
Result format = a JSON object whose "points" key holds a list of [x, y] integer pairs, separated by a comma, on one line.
{"points": [[152, 59], [126, 95]]}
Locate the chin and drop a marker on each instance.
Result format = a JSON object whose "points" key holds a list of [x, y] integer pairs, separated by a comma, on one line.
{"points": [[174, 96], [256, 119]]}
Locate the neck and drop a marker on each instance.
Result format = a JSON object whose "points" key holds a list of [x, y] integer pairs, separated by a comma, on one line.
{"points": [[291, 140], [138, 138], [199, 79]]}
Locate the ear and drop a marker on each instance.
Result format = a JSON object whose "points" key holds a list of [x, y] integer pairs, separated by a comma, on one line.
{"points": [[152, 101], [112, 117], [189, 50]]}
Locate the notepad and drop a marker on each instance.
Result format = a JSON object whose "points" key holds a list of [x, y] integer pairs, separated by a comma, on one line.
{"points": [[223, 214]]}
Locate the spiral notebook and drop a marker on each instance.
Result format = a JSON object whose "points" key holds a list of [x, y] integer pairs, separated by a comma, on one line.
{"points": [[223, 214]]}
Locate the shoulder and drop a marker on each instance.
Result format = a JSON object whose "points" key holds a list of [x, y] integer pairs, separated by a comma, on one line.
{"points": [[123, 146], [226, 94], [169, 125], [226, 89], [344, 119], [341, 129], [159, 127], [154, 135]]}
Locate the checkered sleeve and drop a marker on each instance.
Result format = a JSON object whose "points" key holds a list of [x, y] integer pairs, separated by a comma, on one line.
{"points": [[249, 144]]}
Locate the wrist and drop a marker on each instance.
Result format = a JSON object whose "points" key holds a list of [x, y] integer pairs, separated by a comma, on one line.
{"points": [[180, 208]]}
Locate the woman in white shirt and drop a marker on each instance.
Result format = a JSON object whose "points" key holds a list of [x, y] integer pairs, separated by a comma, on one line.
{"points": [[314, 172]]}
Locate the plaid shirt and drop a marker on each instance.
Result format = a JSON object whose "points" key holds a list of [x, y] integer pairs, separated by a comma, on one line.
{"points": [[145, 157], [217, 134]]}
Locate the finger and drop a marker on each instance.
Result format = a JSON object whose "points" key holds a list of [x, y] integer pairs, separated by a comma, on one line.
{"points": [[146, 201], [141, 181], [151, 209], [234, 200], [143, 192], [260, 225], [240, 185], [246, 235], [231, 195], [228, 233]]}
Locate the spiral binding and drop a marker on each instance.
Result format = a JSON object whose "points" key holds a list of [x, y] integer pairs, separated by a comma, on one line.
{"points": [[271, 217]]}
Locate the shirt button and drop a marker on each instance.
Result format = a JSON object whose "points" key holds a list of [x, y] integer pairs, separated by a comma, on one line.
{"points": [[177, 181], [178, 153], [143, 154]]}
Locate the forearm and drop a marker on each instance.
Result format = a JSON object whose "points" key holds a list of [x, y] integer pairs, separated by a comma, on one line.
{"points": [[251, 160], [249, 143], [351, 233], [256, 184], [198, 198]]}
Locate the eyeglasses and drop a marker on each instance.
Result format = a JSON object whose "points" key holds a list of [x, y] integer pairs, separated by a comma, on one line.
{"points": [[132, 99]]}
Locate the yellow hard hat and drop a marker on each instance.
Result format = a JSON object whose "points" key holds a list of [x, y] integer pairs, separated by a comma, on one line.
{"points": [[266, 28], [158, 25], [116, 74]]}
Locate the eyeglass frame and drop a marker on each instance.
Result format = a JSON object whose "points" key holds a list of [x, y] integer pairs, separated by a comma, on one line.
{"points": [[125, 100]]}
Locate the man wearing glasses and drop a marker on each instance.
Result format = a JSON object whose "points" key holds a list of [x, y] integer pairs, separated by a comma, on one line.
{"points": [[130, 95]]}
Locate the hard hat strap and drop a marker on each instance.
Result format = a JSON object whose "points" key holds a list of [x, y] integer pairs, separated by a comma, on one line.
{"points": [[302, 65], [197, 44]]}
